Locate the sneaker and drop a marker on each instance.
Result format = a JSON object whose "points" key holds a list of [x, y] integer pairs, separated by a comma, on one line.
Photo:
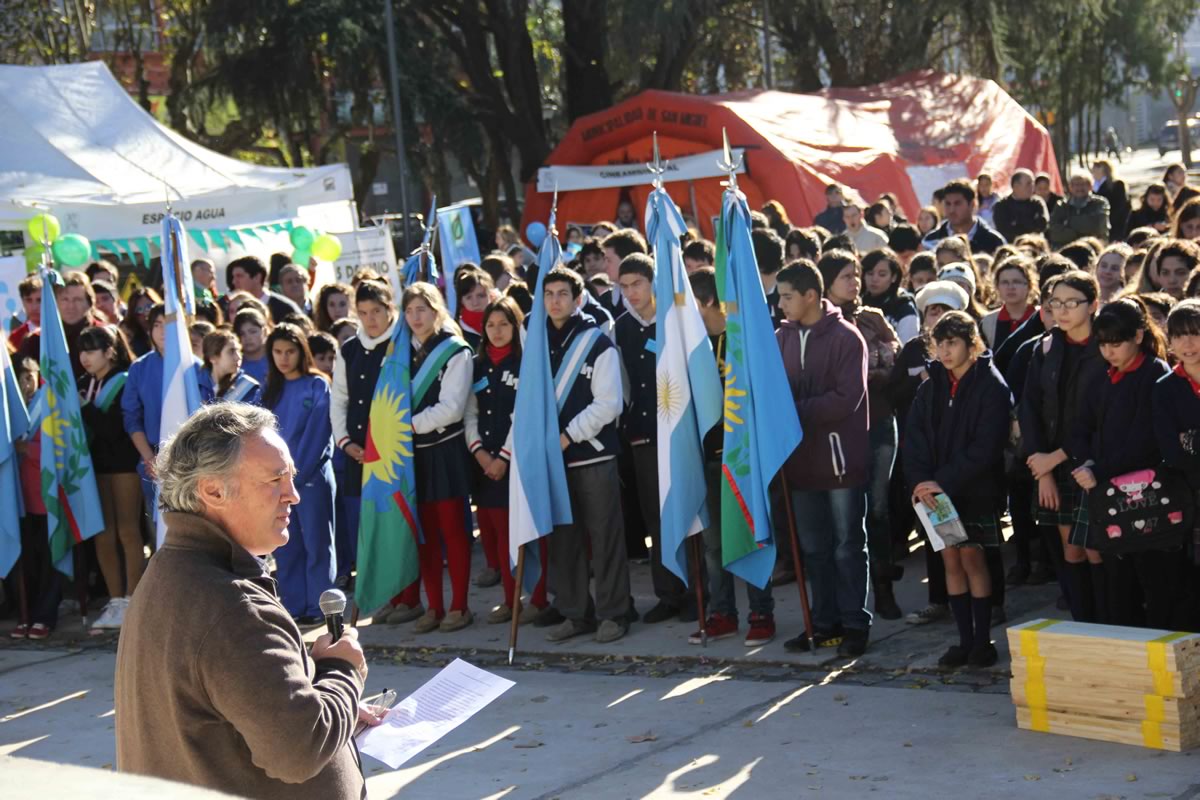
{"points": [[529, 613], [39, 631], [934, 612], [998, 616], [500, 613], [762, 630], [569, 629], [717, 626], [1040, 575], [660, 613], [111, 617], [854, 643], [19, 632], [488, 578], [401, 613], [953, 658], [800, 644], [456, 621], [548, 617], [1017, 575], [982, 655], [428, 623], [610, 630]]}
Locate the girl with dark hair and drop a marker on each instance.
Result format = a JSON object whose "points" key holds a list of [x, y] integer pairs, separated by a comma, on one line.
{"points": [[488, 424], [883, 275], [333, 303], [879, 215], [106, 359], [136, 324], [1017, 290], [298, 394], [222, 377], [1066, 366], [474, 289], [1175, 178], [1154, 210], [1187, 221], [1114, 436], [954, 446], [440, 360], [922, 269]]}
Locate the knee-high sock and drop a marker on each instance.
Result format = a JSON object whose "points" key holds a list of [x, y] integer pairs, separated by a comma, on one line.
{"points": [[960, 604], [1100, 593], [981, 614], [1079, 591]]}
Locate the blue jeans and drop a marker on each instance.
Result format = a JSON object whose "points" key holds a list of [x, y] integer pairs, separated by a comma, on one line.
{"points": [[879, 526], [720, 598], [834, 542]]}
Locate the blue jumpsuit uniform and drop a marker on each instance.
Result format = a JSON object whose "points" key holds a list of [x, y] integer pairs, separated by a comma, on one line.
{"points": [[141, 408], [256, 369], [307, 563]]}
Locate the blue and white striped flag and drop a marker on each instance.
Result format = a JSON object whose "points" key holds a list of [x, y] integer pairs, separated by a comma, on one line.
{"points": [[687, 385], [180, 387], [14, 423], [537, 485]]}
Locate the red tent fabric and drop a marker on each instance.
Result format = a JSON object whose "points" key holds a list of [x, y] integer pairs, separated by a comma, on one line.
{"points": [[906, 136]]}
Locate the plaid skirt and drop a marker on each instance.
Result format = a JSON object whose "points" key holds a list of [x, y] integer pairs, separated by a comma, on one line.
{"points": [[1080, 526], [983, 530], [1070, 498]]}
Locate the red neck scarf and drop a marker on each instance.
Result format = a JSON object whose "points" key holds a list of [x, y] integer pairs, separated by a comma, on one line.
{"points": [[474, 319], [498, 354], [1181, 372], [1115, 375], [1006, 317]]}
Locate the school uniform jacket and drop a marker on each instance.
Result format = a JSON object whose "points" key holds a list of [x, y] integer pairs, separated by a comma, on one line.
{"points": [[588, 414], [302, 410], [141, 401], [355, 371], [490, 405], [1042, 397], [100, 406], [636, 344], [957, 439], [1176, 404], [439, 415], [1115, 426]]}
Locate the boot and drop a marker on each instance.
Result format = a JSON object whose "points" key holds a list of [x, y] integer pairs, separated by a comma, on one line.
{"points": [[885, 600]]}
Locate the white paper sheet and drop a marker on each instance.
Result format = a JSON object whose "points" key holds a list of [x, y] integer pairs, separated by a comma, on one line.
{"points": [[446, 701]]}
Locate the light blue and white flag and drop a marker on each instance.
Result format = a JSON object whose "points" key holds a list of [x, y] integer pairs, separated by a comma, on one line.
{"points": [[14, 423], [459, 245], [180, 387], [687, 385], [537, 485]]}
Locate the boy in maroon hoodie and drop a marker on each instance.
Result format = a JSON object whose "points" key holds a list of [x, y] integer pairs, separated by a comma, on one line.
{"points": [[826, 362]]}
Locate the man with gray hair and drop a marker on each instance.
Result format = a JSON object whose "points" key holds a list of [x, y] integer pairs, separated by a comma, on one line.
{"points": [[1083, 214], [213, 684]]}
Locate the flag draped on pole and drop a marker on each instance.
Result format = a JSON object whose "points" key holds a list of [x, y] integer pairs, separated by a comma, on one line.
{"points": [[537, 484], [180, 387], [687, 385], [459, 245], [388, 528], [761, 426], [73, 510], [14, 423]]}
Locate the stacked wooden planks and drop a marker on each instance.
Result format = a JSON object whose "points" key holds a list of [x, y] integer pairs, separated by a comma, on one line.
{"points": [[1128, 685]]}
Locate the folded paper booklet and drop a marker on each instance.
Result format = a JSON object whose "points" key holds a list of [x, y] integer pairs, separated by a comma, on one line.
{"points": [[941, 523]]}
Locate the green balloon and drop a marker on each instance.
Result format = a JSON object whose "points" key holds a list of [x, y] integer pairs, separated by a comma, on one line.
{"points": [[302, 238], [44, 228], [72, 249], [301, 257], [327, 247], [33, 257]]}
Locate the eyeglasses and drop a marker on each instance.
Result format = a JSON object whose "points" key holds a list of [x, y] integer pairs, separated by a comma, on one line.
{"points": [[1012, 284], [1069, 305], [143, 309]]}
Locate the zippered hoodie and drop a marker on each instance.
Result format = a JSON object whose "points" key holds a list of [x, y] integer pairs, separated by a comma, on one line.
{"points": [[826, 368]]}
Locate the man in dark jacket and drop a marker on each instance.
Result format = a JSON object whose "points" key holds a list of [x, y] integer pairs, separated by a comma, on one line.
{"points": [[958, 205], [1022, 211], [213, 684], [249, 274], [831, 218], [826, 362], [1083, 214]]}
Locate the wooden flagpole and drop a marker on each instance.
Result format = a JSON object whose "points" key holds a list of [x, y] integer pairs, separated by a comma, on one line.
{"points": [[516, 604], [798, 564]]}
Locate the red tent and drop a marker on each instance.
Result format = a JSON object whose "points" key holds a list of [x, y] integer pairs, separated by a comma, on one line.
{"points": [[907, 136]]}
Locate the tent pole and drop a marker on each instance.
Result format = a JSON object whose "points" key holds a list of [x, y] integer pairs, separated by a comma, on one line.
{"points": [[397, 119]]}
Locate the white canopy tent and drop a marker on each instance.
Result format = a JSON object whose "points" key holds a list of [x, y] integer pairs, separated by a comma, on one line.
{"points": [[74, 143]]}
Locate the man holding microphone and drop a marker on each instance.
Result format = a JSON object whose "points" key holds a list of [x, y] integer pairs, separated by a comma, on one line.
{"points": [[213, 684]]}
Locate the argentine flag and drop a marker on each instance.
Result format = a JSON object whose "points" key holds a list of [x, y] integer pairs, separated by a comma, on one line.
{"points": [[687, 385], [537, 485], [180, 389]]}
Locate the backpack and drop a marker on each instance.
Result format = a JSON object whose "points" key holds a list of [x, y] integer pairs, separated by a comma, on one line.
{"points": [[1148, 509]]}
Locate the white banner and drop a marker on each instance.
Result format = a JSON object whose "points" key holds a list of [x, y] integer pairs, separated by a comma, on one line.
{"points": [[369, 247], [686, 168], [12, 272]]}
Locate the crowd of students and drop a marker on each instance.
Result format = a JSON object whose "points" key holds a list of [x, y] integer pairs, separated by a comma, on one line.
{"points": [[1031, 356]]}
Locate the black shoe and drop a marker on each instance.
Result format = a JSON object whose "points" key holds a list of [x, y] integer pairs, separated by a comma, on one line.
{"points": [[632, 615], [800, 644], [854, 643], [687, 613], [1039, 575], [955, 657], [660, 613], [982, 655], [885, 601], [783, 576], [548, 617]]}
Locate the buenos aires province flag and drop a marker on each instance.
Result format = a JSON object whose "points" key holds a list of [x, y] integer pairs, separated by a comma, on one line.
{"points": [[687, 385]]}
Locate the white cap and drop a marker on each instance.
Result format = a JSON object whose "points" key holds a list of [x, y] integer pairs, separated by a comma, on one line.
{"points": [[942, 293], [960, 273]]}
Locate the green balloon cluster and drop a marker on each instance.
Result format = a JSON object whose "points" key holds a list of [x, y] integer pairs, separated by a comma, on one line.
{"points": [[70, 250], [312, 243], [33, 257], [303, 238], [44, 228], [327, 247]]}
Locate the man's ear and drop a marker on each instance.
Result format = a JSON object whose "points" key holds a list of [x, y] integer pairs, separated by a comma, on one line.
{"points": [[213, 491]]}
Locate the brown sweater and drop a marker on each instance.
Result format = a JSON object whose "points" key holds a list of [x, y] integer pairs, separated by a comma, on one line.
{"points": [[214, 686]]}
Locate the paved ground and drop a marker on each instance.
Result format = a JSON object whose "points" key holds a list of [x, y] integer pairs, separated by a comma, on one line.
{"points": [[652, 716]]}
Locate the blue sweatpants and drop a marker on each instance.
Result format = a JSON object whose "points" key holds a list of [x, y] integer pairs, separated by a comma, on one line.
{"points": [[307, 563]]}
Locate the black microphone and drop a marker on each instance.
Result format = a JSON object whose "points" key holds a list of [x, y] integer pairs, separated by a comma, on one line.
{"points": [[333, 605]]}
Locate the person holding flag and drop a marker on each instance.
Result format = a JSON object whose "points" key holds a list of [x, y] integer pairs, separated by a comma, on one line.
{"points": [[23, 538]]}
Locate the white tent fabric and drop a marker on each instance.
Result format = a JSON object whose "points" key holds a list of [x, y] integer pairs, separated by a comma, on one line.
{"points": [[75, 143]]}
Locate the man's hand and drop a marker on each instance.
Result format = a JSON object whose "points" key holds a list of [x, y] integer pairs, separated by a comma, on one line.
{"points": [[346, 648], [355, 451], [370, 715]]}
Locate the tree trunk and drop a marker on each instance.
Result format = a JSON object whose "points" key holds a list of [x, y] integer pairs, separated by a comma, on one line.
{"points": [[585, 35]]}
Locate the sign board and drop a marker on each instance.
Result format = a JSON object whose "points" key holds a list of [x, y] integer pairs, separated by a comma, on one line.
{"points": [[685, 168], [12, 272], [379, 188], [369, 247]]}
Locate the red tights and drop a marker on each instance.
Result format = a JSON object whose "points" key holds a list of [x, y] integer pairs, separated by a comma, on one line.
{"points": [[442, 521], [493, 526]]}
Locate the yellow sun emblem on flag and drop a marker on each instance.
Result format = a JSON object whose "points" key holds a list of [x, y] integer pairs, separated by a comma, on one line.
{"points": [[732, 394], [55, 425], [388, 437], [670, 398]]}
